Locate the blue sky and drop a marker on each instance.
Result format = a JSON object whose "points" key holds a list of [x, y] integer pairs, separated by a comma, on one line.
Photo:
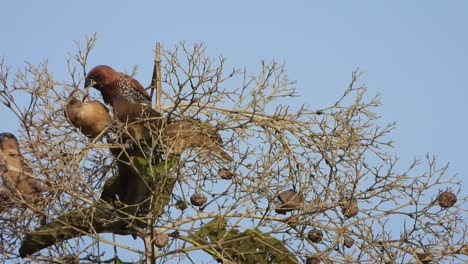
{"points": [[413, 53]]}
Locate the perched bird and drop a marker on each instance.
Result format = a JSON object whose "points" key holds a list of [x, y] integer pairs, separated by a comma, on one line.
{"points": [[182, 135], [114, 84], [17, 177], [90, 117]]}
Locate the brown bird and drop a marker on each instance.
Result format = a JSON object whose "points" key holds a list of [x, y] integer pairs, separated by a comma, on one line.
{"points": [[90, 117], [182, 135], [17, 177], [114, 84]]}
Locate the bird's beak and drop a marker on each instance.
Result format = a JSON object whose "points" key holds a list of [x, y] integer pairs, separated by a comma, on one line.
{"points": [[87, 83]]}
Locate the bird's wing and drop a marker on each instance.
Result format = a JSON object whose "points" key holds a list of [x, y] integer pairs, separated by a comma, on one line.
{"points": [[137, 86]]}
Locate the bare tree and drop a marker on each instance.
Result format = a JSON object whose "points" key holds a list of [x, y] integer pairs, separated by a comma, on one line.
{"points": [[320, 186]]}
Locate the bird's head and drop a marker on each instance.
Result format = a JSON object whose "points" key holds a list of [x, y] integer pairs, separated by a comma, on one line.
{"points": [[72, 100], [101, 77], [9, 143], [7, 136]]}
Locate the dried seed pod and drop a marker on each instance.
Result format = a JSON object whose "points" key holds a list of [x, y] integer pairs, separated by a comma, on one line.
{"points": [[226, 174], [290, 200], [349, 208], [181, 205], [348, 242], [70, 259], [175, 234], [313, 260], [424, 258], [198, 199], [447, 199], [161, 240], [315, 235]]}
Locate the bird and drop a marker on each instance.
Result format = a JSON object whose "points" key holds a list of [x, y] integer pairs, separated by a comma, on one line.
{"points": [[18, 176], [131, 105], [182, 135], [91, 117], [113, 84]]}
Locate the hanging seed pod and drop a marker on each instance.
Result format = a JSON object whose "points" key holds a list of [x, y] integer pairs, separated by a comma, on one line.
{"points": [[349, 208], [315, 235], [348, 242], [198, 199], [226, 174], [161, 240], [424, 258], [181, 205], [70, 259], [290, 200], [313, 260], [447, 199]]}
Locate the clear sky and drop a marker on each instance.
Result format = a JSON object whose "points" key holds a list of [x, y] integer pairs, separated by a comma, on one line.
{"points": [[413, 53]]}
